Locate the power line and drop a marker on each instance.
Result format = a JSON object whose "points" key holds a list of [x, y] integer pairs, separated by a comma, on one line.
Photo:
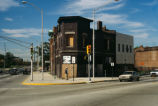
{"points": [[15, 39], [11, 40]]}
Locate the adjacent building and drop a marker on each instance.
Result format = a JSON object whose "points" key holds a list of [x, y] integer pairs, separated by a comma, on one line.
{"points": [[146, 58], [124, 52], [68, 48]]}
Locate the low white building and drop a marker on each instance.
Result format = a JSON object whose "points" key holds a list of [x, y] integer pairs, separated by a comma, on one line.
{"points": [[124, 50]]}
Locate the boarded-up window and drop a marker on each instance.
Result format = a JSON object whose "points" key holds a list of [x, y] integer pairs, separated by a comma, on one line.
{"points": [[69, 40]]}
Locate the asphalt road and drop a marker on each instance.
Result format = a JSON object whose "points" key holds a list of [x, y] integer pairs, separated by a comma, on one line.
{"points": [[142, 93]]}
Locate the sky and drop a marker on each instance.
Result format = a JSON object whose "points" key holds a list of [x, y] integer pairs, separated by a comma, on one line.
{"points": [[137, 18]]}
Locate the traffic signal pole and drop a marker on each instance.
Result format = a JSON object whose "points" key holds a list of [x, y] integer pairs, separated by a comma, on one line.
{"points": [[31, 51], [89, 60]]}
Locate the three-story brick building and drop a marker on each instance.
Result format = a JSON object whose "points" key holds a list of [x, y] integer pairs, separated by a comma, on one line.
{"points": [[68, 47]]}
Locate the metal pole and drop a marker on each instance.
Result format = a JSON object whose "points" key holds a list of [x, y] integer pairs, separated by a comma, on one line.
{"points": [[112, 72], [41, 10], [31, 69], [42, 44], [38, 57], [93, 43], [4, 55], [89, 72], [31, 62], [73, 72]]}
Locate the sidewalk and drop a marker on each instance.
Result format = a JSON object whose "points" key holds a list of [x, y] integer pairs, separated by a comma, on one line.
{"points": [[52, 80]]}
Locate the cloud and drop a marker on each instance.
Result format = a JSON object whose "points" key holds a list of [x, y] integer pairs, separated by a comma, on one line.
{"points": [[79, 7], [141, 35], [152, 3], [6, 4], [118, 19], [135, 10], [25, 33], [134, 24], [8, 19], [2, 52], [20, 53]]}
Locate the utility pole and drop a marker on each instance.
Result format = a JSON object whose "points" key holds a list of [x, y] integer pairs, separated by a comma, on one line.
{"points": [[41, 11], [38, 57], [89, 60], [93, 43], [94, 11], [42, 46], [31, 51], [4, 55]]}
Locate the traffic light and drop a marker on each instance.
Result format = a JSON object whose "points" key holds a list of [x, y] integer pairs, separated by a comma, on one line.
{"points": [[88, 49]]}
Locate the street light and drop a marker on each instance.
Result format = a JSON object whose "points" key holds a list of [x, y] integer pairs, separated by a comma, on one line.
{"points": [[94, 11], [41, 11]]}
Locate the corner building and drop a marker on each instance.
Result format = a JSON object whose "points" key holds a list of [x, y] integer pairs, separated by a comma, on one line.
{"points": [[68, 48]]}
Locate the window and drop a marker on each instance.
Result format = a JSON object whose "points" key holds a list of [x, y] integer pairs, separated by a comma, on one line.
{"points": [[130, 49], [123, 48], [127, 48], [69, 40], [84, 39], [118, 47], [108, 44]]}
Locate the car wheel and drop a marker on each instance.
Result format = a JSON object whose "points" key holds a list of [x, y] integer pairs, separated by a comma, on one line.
{"points": [[131, 79], [120, 80], [137, 79]]}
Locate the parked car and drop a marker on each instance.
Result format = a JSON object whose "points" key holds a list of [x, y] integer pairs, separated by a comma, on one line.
{"points": [[26, 72], [1, 71], [154, 73], [13, 71], [129, 76]]}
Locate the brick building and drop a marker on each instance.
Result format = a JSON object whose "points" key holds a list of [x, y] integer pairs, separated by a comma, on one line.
{"points": [[146, 58], [69, 41]]}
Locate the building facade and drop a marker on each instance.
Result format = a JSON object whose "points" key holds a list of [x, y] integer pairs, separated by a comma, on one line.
{"points": [[146, 58], [124, 52], [68, 48]]}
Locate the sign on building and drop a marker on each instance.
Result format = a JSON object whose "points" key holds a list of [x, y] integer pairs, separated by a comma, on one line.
{"points": [[66, 59], [73, 60]]}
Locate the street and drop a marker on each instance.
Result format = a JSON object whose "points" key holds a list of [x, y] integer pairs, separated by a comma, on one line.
{"points": [[142, 93]]}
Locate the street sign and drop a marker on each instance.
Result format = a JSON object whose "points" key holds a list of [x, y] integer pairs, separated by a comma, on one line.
{"points": [[73, 60], [47, 61], [66, 59], [112, 64]]}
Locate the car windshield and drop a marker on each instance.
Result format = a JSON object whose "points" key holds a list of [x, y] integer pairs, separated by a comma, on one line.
{"points": [[127, 72]]}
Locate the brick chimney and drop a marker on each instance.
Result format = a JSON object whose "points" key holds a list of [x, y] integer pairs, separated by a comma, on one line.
{"points": [[104, 28], [55, 29], [99, 25]]}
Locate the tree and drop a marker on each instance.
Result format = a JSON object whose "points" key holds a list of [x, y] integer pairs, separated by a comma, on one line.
{"points": [[9, 58], [46, 51], [1, 60]]}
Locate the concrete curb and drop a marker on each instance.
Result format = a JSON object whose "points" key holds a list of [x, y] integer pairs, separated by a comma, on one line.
{"points": [[41, 84], [71, 83]]}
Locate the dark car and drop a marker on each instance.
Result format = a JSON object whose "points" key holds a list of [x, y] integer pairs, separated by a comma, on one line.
{"points": [[26, 72], [1, 71], [13, 71]]}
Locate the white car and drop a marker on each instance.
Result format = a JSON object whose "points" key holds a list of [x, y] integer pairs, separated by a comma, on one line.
{"points": [[154, 73], [129, 76]]}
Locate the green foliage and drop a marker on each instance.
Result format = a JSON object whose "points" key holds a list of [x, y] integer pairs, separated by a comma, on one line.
{"points": [[46, 50], [10, 60]]}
